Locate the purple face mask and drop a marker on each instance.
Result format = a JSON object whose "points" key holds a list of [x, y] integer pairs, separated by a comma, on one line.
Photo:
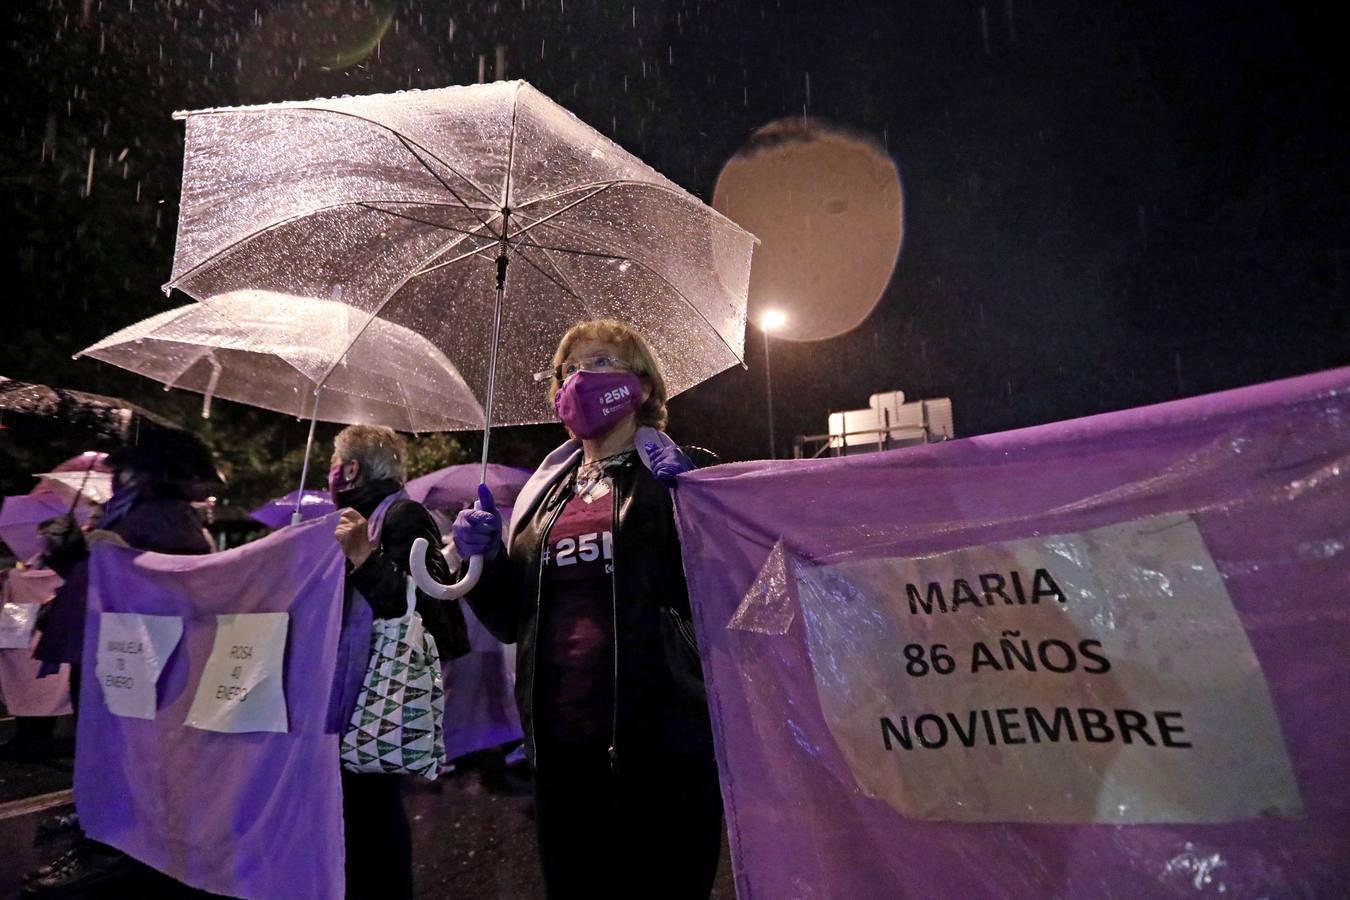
{"points": [[591, 403], [336, 483]]}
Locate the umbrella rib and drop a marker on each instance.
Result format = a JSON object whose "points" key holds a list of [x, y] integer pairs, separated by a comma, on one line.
{"points": [[409, 147], [450, 262], [398, 215], [674, 191], [510, 153], [679, 293], [572, 250], [557, 212], [374, 314], [565, 284], [233, 245], [359, 117]]}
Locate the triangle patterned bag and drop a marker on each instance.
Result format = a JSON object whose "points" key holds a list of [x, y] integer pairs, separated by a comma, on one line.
{"points": [[398, 726]]}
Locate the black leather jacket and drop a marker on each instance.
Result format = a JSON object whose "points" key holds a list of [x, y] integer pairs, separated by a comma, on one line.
{"points": [[660, 707]]}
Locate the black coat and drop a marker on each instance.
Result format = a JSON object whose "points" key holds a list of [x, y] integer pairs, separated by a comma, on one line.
{"points": [[660, 706]]}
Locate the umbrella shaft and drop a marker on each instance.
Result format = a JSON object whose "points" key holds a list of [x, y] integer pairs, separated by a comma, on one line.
{"points": [[502, 262], [304, 468], [85, 481]]}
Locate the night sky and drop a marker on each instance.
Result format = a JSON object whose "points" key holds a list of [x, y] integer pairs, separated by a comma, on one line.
{"points": [[1106, 204]]}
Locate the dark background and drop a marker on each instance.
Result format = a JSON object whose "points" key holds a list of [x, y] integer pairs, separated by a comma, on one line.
{"points": [[1106, 204]]}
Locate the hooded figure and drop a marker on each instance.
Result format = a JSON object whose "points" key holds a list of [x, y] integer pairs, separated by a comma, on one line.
{"points": [[150, 509]]}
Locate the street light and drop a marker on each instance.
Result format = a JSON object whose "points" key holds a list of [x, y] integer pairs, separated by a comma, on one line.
{"points": [[771, 320]]}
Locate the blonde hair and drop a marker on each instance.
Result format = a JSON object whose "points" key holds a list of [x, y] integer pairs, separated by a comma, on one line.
{"points": [[636, 353], [380, 451]]}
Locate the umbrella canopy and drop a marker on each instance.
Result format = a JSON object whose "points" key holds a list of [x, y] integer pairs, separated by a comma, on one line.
{"points": [[272, 350], [136, 437], [86, 474], [402, 206], [277, 513], [454, 487], [21, 515]]}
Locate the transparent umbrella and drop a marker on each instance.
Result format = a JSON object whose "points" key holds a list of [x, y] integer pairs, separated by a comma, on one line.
{"points": [[413, 207], [85, 476], [280, 352]]}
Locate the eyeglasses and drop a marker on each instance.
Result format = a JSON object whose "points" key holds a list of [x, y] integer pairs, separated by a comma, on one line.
{"points": [[600, 362]]}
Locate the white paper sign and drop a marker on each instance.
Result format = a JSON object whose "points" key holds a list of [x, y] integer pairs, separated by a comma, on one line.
{"points": [[16, 625], [1079, 678], [241, 686], [132, 651]]}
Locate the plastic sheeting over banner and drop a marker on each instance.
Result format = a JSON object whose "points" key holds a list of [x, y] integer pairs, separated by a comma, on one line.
{"points": [[245, 815], [1103, 657], [24, 693]]}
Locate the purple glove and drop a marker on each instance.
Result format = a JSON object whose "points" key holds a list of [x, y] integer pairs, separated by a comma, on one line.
{"points": [[667, 462], [478, 532]]}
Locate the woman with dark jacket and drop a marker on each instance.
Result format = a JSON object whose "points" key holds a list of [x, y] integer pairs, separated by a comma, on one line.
{"points": [[590, 585], [376, 528]]}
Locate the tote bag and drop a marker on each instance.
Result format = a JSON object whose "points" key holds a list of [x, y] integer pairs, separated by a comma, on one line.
{"points": [[398, 725]]}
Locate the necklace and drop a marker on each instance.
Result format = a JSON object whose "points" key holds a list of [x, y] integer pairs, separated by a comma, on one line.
{"points": [[592, 480]]}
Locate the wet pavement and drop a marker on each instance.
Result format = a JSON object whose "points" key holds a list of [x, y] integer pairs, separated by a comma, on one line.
{"points": [[473, 834]]}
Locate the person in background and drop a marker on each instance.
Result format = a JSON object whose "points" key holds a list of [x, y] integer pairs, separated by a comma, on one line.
{"points": [[590, 585], [377, 524], [149, 510]]}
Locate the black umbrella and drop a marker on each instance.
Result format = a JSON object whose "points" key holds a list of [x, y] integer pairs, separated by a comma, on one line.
{"points": [[135, 437]]}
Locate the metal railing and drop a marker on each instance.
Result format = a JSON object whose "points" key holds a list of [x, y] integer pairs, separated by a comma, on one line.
{"points": [[839, 444]]}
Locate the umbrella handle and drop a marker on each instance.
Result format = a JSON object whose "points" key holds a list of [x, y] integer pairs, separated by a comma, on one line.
{"points": [[417, 564]]}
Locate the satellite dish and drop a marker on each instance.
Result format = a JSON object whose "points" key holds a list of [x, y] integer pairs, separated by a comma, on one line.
{"points": [[828, 209]]}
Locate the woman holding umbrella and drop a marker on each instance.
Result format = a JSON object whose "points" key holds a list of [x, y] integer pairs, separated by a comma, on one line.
{"points": [[591, 586]]}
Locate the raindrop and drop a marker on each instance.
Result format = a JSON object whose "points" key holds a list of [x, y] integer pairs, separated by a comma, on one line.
{"points": [[89, 175], [984, 28]]}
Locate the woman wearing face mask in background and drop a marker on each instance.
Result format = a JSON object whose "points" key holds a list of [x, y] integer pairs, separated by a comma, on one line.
{"points": [[592, 588], [376, 529]]}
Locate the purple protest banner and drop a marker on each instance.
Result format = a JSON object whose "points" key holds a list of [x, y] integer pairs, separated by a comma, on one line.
{"points": [[255, 814], [1103, 657], [480, 708]]}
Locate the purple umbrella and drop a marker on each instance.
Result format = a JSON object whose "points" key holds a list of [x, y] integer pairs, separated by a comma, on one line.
{"points": [[277, 513], [21, 515], [457, 486]]}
